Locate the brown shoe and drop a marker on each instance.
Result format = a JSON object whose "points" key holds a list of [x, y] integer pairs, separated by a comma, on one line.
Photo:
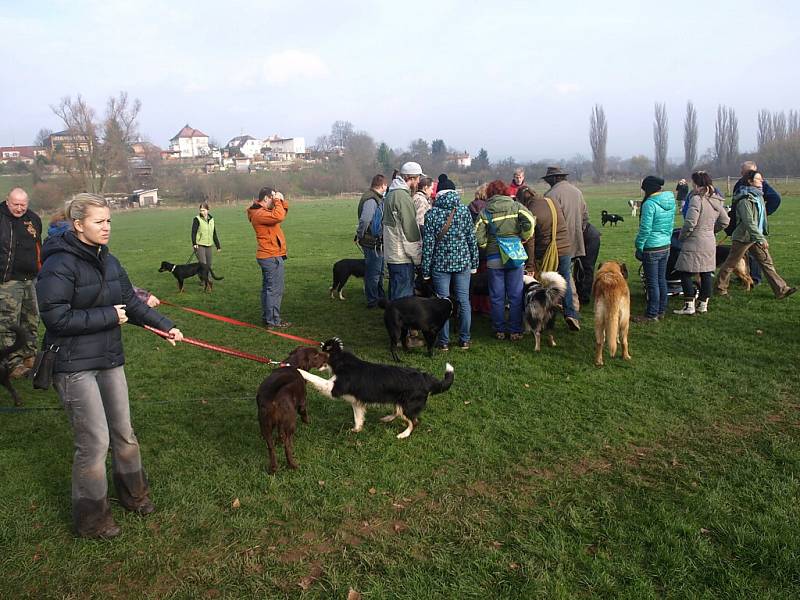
{"points": [[573, 324], [109, 532], [786, 293], [515, 337], [644, 319], [147, 507]]}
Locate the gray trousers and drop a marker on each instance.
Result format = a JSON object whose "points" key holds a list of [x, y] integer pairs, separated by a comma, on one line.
{"points": [[271, 289], [204, 254], [96, 403]]}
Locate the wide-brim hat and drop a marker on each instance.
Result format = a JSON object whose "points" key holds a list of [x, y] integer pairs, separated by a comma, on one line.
{"points": [[553, 171]]}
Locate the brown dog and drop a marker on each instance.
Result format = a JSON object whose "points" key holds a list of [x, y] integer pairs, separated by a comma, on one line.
{"points": [[612, 309], [281, 396]]}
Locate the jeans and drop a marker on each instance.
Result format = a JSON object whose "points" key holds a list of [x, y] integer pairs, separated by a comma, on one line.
{"points": [[401, 280], [441, 284], [373, 275], [565, 270], [271, 289], [655, 277], [96, 403], [689, 288], [506, 283]]}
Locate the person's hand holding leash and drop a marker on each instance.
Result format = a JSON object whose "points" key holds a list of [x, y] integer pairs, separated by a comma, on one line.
{"points": [[175, 335]]}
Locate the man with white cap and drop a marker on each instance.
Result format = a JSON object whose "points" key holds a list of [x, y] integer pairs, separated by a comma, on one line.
{"points": [[402, 241]]}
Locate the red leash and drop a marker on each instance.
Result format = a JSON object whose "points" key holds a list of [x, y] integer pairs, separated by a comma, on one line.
{"points": [[239, 323], [221, 349]]}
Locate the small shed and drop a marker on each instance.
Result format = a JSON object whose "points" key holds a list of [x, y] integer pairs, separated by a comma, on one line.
{"points": [[144, 198]]}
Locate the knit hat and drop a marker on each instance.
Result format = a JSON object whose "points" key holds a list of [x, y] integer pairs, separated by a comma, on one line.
{"points": [[441, 178], [445, 184], [652, 184]]}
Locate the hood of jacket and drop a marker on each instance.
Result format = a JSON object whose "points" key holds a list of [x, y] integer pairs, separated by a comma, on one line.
{"points": [[398, 183], [664, 200], [447, 200], [69, 242]]}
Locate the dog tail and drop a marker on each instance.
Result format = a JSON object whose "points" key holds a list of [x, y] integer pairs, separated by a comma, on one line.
{"points": [[19, 341], [612, 331], [214, 276], [383, 302], [554, 284], [442, 386]]}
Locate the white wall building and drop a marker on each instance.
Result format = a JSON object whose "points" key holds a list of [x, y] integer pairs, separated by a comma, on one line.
{"points": [[246, 144], [190, 143], [285, 148]]}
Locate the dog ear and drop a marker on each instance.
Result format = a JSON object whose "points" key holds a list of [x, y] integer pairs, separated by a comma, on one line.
{"points": [[624, 270]]}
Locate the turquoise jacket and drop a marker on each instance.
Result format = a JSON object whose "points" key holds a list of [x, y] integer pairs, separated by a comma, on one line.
{"points": [[656, 222]]}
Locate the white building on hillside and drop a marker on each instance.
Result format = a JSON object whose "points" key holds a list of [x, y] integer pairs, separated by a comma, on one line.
{"points": [[246, 144], [462, 161], [190, 143], [285, 148]]}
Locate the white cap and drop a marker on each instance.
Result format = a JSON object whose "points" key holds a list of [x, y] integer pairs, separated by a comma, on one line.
{"points": [[411, 168]]}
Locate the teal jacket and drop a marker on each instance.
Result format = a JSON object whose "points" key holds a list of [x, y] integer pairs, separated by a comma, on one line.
{"points": [[656, 222]]}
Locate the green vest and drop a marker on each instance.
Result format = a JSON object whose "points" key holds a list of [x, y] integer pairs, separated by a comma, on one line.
{"points": [[205, 231]]}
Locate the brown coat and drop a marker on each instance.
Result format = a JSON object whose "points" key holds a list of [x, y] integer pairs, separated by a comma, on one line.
{"points": [[576, 214], [537, 245]]}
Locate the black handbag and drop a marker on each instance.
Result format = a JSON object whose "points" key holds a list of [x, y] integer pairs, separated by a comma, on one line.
{"points": [[42, 372]]}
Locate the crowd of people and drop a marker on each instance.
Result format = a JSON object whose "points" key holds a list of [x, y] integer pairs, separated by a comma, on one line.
{"points": [[415, 228]]}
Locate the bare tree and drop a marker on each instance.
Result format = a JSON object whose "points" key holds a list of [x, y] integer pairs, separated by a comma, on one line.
{"points": [[690, 137], [793, 123], [766, 133], [779, 125], [732, 152], [94, 151], [42, 137], [341, 132], [661, 138], [598, 137], [721, 138]]}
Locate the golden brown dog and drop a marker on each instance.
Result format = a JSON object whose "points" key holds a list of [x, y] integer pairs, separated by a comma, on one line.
{"points": [[612, 309]]}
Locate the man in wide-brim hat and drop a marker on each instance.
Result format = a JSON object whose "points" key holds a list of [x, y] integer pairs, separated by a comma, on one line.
{"points": [[576, 215]]}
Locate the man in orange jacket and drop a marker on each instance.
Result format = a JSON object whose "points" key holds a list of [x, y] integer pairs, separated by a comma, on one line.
{"points": [[266, 215]]}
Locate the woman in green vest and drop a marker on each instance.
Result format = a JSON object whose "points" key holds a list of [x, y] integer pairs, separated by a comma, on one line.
{"points": [[203, 235]]}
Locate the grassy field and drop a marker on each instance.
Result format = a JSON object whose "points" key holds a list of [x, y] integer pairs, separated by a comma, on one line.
{"points": [[674, 475]]}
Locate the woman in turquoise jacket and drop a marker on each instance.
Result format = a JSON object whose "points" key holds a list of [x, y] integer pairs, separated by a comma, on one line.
{"points": [[656, 221]]}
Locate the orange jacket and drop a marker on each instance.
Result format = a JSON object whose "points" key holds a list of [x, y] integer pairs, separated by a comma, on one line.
{"points": [[267, 225]]}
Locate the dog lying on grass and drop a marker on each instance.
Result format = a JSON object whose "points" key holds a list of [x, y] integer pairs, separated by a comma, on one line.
{"points": [[281, 396], [543, 299], [5, 370], [342, 271], [612, 309], [362, 383], [183, 272]]}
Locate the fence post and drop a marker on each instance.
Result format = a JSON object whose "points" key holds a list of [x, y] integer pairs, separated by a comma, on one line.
{"points": [[729, 185]]}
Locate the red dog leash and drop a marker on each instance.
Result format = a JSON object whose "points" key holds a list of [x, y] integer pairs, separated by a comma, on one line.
{"points": [[240, 323], [221, 349]]}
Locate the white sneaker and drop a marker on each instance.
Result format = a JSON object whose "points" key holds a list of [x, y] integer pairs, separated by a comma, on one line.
{"points": [[688, 308], [702, 306]]}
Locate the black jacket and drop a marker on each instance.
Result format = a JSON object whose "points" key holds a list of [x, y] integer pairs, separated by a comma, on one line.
{"points": [[79, 317], [20, 244]]}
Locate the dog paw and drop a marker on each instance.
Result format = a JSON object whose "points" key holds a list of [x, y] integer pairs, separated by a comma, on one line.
{"points": [[292, 465], [626, 357], [404, 435], [356, 429]]}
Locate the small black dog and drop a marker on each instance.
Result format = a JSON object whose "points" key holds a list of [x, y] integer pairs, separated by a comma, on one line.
{"points": [[612, 218], [342, 270], [414, 312], [5, 371], [182, 272]]}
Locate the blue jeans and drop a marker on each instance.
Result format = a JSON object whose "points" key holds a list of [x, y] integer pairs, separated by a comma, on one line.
{"points": [[506, 283], [373, 275], [565, 270], [655, 277], [271, 289], [441, 284], [401, 280]]}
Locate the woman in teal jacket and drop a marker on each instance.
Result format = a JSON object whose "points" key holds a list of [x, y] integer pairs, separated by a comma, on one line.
{"points": [[656, 221]]}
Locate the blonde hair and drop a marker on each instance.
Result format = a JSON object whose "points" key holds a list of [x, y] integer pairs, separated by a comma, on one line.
{"points": [[76, 208], [480, 193]]}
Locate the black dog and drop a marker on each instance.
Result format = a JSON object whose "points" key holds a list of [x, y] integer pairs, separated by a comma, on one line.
{"points": [[608, 217], [361, 383], [5, 371], [342, 270], [428, 315], [182, 272]]}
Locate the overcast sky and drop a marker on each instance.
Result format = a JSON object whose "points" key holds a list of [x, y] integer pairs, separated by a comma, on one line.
{"points": [[518, 78]]}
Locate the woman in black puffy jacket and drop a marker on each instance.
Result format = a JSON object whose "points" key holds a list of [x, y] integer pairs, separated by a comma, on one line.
{"points": [[84, 297]]}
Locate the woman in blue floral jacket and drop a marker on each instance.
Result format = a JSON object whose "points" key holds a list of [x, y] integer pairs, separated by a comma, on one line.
{"points": [[450, 254]]}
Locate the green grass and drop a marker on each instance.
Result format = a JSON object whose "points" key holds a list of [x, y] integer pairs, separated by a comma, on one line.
{"points": [[674, 475]]}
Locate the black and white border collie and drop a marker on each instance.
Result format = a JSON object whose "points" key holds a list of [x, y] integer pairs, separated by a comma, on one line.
{"points": [[342, 271], [543, 300], [362, 383]]}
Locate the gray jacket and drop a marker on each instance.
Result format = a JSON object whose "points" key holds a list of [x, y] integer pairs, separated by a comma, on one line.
{"points": [[705, 216], [576, 214]]}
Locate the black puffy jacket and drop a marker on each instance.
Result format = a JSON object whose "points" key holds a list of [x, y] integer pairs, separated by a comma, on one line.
{"points": [[87, 331]]}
